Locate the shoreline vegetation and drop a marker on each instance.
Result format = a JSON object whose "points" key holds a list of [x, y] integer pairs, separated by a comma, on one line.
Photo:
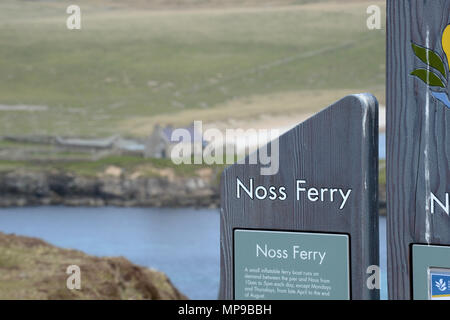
{"points": [[30, 268]]}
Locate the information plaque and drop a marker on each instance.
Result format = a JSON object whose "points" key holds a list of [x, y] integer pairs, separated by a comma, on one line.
{"points": [[430, 272], [278, 265]]}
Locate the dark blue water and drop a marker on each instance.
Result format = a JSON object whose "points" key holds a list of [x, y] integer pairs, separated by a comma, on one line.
{"points": [[183, 243]]}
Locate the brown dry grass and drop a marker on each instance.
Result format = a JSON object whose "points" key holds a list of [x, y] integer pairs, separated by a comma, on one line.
{"points": [[32, 269]]}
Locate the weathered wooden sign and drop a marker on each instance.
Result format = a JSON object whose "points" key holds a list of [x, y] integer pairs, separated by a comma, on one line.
{"points": [[418, 146], [310, 230]]}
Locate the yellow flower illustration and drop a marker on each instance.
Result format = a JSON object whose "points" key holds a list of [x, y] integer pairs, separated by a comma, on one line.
{"points": [[438, 81], [446, 41]]}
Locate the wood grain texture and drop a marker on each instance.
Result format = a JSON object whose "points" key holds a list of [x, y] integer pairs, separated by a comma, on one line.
{"points": [[337, 147], [418, 148]]}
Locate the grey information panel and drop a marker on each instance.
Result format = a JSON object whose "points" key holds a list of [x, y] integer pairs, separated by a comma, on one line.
{"points": [[278, 265], [326, 182], [431, 272], [418, 134]]}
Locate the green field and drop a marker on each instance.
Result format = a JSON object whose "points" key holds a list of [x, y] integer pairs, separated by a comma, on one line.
{"points": [[129, 164], [140, 62]]}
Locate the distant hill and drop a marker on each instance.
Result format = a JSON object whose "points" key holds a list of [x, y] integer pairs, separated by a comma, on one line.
{"points": [[183, 4], [207, 3], [175, 61]]}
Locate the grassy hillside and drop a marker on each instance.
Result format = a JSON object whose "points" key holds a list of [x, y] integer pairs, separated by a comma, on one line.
{"points": [[33, 269], [131, 65]]}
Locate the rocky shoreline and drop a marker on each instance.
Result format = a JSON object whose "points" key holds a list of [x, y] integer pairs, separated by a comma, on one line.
{"points": [[114, 188], [29, 188]]}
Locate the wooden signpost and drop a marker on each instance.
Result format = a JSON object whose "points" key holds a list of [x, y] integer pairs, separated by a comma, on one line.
{"points": [[310, 231], [418, 148]]}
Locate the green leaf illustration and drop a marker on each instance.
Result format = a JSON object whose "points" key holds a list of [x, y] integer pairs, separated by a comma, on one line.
{"points": [[428, 77], [430, 57]]}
